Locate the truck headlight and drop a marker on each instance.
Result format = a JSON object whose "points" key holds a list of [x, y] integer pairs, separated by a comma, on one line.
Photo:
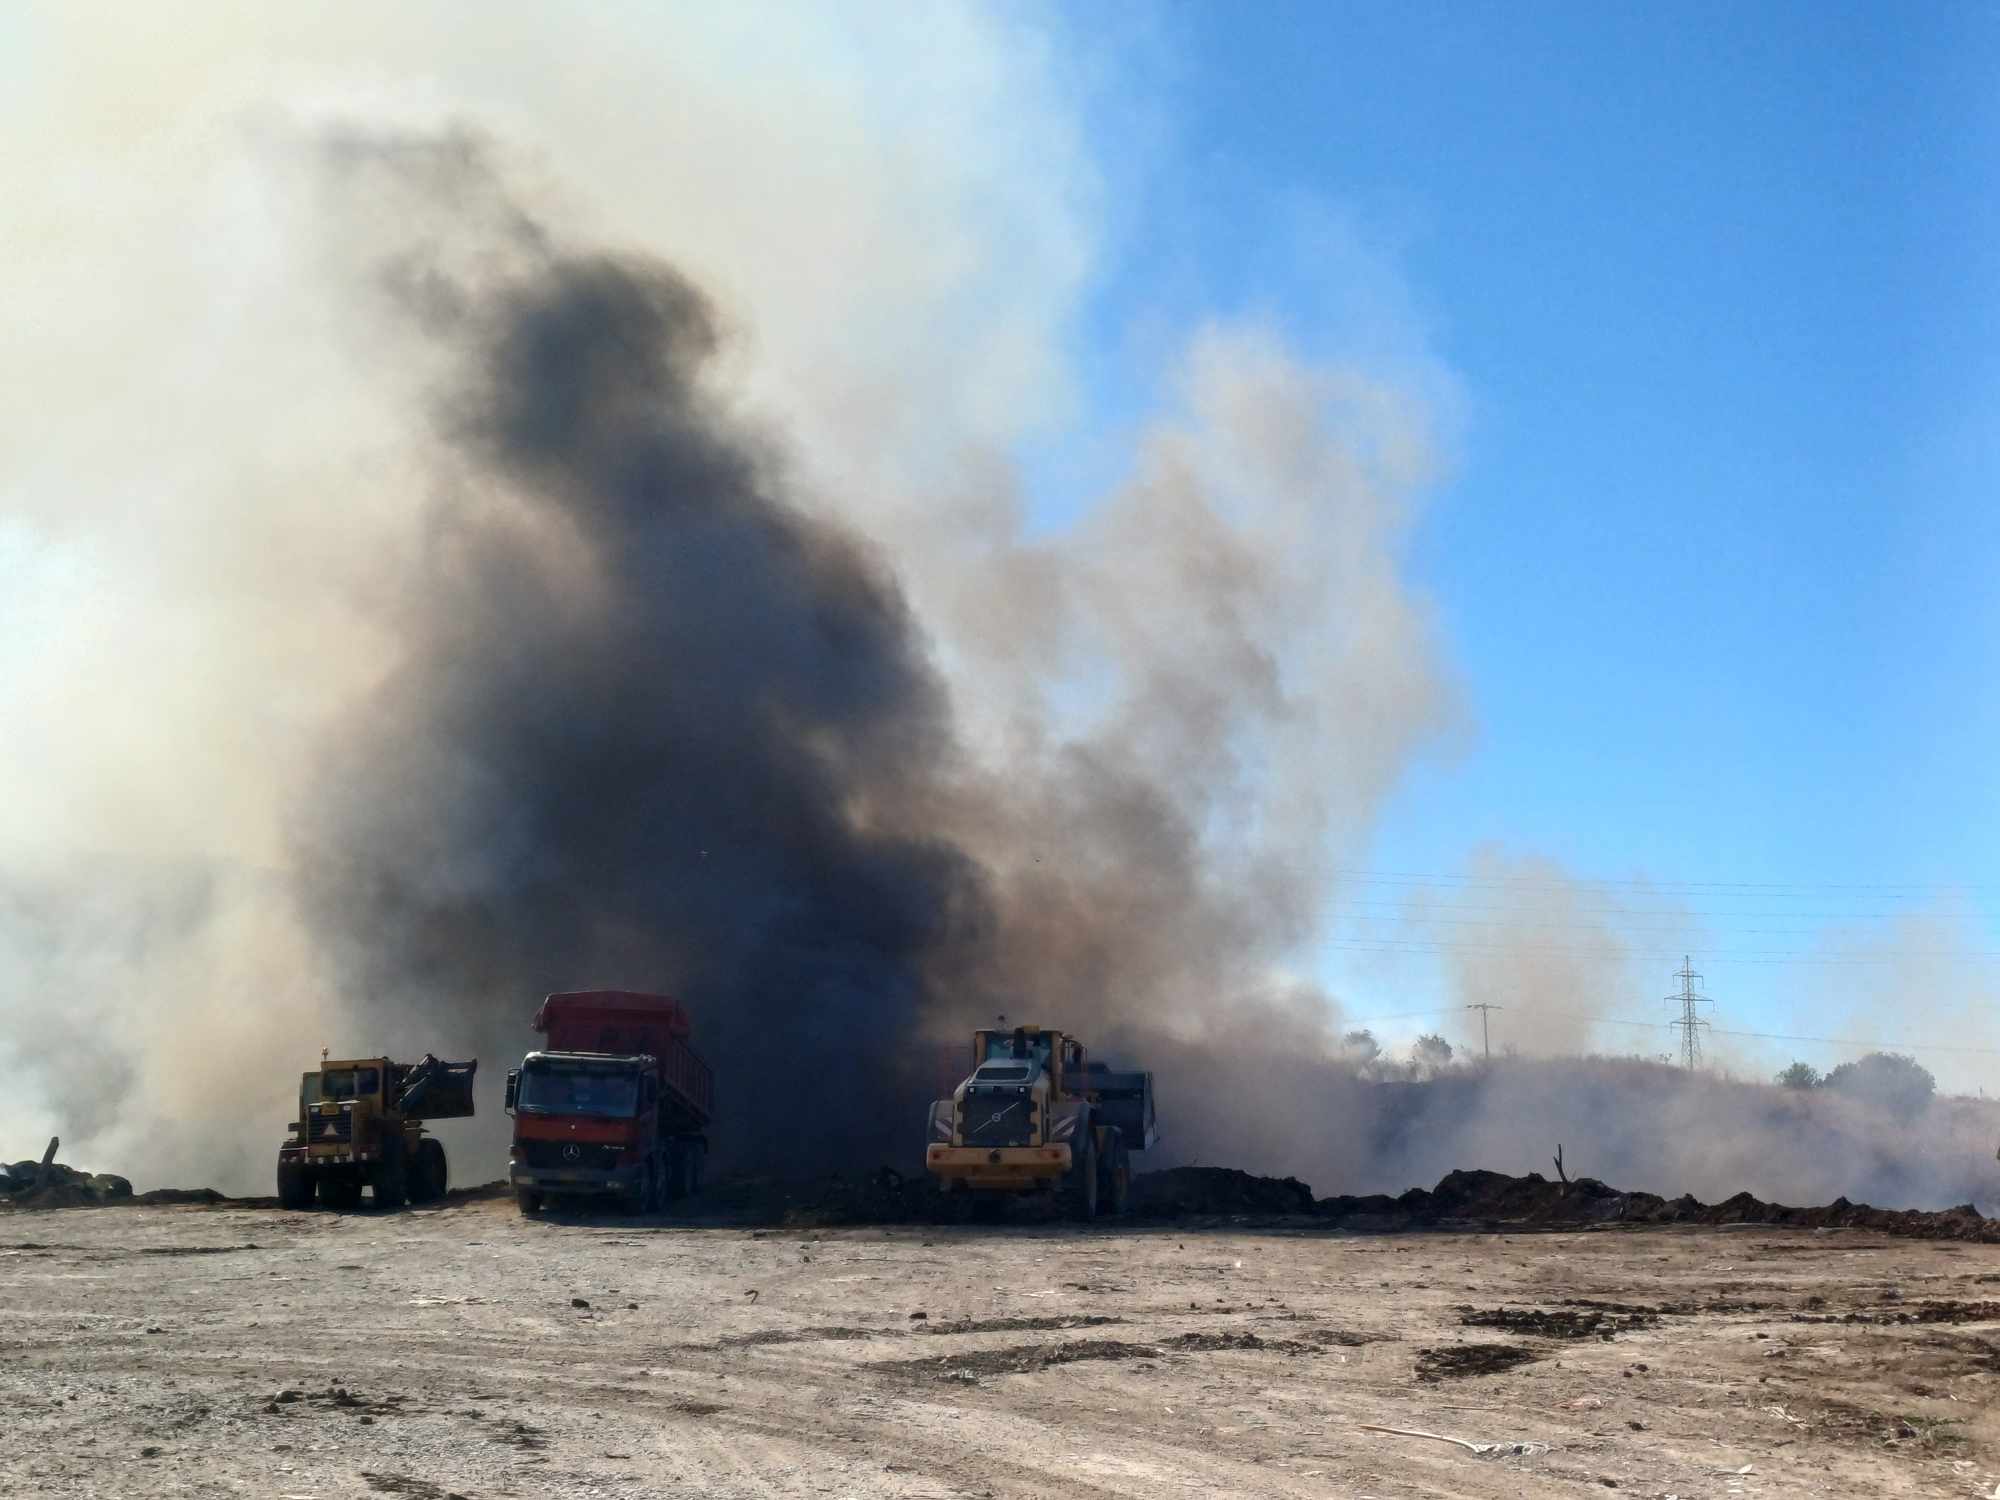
{"points": [[1063, 1127], [941, 1121]]}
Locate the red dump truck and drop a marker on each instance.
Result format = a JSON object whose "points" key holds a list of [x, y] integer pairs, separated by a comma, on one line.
{"points": [[614, 1107]]}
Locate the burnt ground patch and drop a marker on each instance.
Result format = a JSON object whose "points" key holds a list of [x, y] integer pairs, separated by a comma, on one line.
{"points": [[1028, 1359], [1020, 1359], [1559, 1323], [1017, 1325], [1943, 1311], [1460, 1361], [831, 1335]]}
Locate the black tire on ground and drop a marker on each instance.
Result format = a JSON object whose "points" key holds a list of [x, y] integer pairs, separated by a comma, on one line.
{"points": [[430, 1173], [1080, 1188], [1114, 1189], [687, 1181], [391, 1177], [528, 1200], [295, 1187], [636, 1200]]}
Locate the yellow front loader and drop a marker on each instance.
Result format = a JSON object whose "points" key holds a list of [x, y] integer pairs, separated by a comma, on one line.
{"points": [[1037, 1116], [361, 1125]]}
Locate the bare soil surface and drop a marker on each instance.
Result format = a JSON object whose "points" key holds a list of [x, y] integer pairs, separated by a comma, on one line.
{"points": [[225, 1350]]}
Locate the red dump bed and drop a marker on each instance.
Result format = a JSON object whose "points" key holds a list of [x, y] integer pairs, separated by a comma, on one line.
{"points": [[626, 1023]]}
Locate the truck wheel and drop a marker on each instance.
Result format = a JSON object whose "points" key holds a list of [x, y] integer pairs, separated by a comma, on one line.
{"points": [[1114, 1192], [637, 1200], [528, 1200], [427, 1183], [1080, 1190], [390, 1179], [295, 1187]]}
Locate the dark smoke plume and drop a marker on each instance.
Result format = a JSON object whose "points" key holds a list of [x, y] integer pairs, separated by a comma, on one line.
{"points": [[652, 727]]}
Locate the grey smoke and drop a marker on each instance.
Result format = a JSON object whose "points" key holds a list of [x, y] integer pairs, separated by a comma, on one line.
{"points": [[479, 568], [651, 725]]}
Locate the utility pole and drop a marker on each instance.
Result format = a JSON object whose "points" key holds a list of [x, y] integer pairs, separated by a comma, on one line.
{"points": [[1690, 1024], [1485, 1040]]}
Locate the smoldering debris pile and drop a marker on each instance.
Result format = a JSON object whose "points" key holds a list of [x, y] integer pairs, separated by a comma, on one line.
{"points": [[32, 1184], [48, 1183], [1217, 1190], [1495, 1200]]}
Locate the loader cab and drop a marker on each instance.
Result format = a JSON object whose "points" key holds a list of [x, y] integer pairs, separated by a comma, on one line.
{"points": [[1061, 1058], [364, 1080]]}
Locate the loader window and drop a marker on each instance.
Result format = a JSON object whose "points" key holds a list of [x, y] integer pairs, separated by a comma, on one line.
{"points": [[350, 1083], [1003, 1072], [1000, 1048], [578, 1091]]}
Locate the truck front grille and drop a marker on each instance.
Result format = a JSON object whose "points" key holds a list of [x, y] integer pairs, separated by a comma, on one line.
{"points": [[996, 1119], [555, 1155], [338, 1127]]}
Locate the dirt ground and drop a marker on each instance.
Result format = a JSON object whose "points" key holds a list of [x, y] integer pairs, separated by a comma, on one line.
{"points": [[459, 1350]]}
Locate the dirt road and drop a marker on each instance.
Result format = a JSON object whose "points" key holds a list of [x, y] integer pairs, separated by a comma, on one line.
{"points": [[228, 1351]]}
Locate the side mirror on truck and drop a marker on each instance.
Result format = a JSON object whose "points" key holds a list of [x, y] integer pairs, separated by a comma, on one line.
{"points": [[513, 1088]]}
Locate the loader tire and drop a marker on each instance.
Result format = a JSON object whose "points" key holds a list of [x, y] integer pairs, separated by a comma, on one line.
{"points": [[528, 1201], [391, 1179], [1114, 1187], [295, 1187], [428, 1180], [1080, 1188]]}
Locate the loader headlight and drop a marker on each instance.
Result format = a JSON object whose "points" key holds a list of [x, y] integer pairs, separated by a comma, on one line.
{"points": [[1063, 1127], [941, 1121]]}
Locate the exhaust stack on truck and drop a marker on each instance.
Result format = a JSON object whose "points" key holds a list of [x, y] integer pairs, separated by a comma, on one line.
{"points": [[614, 1107]]}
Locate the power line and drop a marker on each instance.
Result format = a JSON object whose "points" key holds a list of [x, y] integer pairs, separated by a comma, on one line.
{"points": [[1386, 877], [1404, 904], [1612, 948], [1407, 1015], [1780, 1036]]}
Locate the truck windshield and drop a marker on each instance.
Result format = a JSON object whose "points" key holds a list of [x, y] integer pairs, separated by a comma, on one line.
{"points": [[348, 1083], [579, 1091]]}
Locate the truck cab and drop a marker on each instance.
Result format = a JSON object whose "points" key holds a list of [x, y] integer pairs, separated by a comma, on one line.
{"points": [[615, 1106]]}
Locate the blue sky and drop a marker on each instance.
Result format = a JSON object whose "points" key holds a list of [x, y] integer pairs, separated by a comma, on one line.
{"points": [[1719, 287]]}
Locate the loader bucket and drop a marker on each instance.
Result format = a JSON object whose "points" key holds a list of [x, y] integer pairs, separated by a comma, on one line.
{"points": [[439, 1091], [1126, 1101]]}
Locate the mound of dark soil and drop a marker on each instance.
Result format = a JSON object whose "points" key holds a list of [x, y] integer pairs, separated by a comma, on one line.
{"points": [[1185, 1191], [1457, 1361]]}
